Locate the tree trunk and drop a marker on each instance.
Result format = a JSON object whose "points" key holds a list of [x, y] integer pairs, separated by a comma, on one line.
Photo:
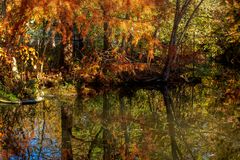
{"points": [[66, 117], [68, 55], [15, 69], [172, 48], [4, 7], [77, 43], [175, 37], [106, 44]]}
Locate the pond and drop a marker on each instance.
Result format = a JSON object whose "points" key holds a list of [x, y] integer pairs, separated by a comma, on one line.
{"points": [[185, 122]]}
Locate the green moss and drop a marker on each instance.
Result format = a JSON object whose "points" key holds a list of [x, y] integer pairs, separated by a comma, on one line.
{"points": [[7, 96]]}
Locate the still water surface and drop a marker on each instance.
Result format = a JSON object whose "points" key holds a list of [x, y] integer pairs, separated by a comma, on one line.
{"points": [[197, 123]]}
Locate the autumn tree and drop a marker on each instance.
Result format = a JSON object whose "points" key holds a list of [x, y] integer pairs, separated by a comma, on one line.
{"points": [[232, 18], [114, 33], [20, 19], [181, 9], [228, 34]]}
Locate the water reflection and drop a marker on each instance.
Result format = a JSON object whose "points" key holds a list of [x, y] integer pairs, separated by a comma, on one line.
{"points": [[66, 124], [176, 153], [26, 132], [146, 124]]}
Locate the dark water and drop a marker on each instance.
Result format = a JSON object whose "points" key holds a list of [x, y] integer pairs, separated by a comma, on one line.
{"points": [[200, 122]]}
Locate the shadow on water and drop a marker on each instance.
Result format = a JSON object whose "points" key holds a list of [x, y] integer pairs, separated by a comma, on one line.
{"points": [[181, 123]]}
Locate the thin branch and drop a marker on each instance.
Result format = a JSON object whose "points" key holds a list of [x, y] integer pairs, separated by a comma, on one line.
{"points": [[93, 143], [177, 6], [189, 21], [185, 6]]}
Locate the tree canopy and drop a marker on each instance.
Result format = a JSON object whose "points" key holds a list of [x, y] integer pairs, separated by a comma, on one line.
{"points": [[91, 38]]}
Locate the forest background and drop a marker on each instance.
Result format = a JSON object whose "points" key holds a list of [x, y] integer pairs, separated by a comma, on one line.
{"points": [[107, 43]]}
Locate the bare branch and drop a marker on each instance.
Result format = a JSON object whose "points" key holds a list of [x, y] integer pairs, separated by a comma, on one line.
{"points": [[189, 21]]}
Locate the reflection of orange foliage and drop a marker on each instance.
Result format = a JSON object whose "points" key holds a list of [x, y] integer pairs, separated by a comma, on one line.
{"points": [[4, 154], [66, 154], [14, 143]]}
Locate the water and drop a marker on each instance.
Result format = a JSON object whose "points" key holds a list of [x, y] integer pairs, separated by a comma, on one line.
{"points": [[200, 122]]}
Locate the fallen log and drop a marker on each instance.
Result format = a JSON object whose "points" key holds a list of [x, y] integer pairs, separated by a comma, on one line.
{"points": [[23, 102]]}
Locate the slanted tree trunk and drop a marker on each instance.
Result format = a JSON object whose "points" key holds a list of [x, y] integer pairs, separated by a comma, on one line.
{"points": [[172, 48], [176, 36]]}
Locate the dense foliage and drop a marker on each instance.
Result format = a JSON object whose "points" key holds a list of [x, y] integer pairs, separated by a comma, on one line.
{"points": [[109, 39]]}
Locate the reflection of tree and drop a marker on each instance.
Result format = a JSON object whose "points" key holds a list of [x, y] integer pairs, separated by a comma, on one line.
{"points": [[124, 125], [91, 137], [93, 144], [153, 107], [42, 133], [14, 140], [197, 125], [108, 141], [24, 132], [136, 132], [66, 117], [83, 143], [182, 99], [170, 118]]}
